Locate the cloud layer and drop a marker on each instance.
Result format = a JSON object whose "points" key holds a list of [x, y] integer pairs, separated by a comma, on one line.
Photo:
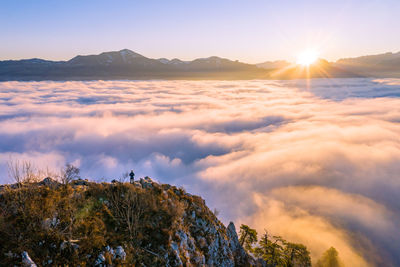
{"points": [[317, 163]]}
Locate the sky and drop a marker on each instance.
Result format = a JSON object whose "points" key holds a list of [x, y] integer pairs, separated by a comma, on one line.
{"points": [[250, 31], [316, 162]]}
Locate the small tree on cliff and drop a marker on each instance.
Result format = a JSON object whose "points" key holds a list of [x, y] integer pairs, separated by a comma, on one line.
{"points": [[277, 252], [297, 255], [270, 249], [247, 237], [330, 258], [69, 173]]}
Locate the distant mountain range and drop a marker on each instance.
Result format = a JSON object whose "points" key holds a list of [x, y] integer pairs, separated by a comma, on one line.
{"points": [[382, 65], [126, 64]]}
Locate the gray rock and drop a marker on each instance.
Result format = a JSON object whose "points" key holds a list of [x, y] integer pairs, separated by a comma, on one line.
{"points": [[110, 250], [100, 261], [69, 244], [240, 255], [146, 182], [119, 253], [49, 182], [51, 223], [177, 259], [27, 261], [80, 182]]}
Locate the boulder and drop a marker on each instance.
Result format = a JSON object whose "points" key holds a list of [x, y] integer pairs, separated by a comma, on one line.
{"points": [[51, 223], [49, 182], [119, 253], [110, 250], [69, 244], [80, 182], [146, 182], [100, 261]]}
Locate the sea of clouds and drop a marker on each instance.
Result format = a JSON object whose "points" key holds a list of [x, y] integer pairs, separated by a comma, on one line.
{"points": [[316, 162]]}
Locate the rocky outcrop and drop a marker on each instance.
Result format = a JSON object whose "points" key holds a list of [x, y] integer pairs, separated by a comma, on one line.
{"points": [[49, 182], [240, 255], [176, 228], [79, 182], [145, 182], [202, 240]]}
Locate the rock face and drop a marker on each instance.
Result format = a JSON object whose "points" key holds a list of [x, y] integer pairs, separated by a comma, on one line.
{"points": [[240, 255], [202, 240]]}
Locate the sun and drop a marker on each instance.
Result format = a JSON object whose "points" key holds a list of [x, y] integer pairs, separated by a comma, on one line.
{"points": [[307, 58]]}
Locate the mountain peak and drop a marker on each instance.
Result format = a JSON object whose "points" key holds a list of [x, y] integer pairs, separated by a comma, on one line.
{"points": [[124, 56], [129, 53]]}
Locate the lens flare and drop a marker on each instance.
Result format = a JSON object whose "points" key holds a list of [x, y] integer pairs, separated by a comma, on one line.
{"points": [[307, 58]]}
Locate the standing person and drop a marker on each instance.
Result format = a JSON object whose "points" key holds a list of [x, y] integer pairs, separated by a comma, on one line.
{"points": [[132, 177]]}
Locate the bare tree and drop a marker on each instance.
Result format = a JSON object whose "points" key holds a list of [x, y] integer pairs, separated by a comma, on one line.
{"points": [[14, 171], [123, 177], [127, 207], [22, 171], [49, 173], [69, 173]]}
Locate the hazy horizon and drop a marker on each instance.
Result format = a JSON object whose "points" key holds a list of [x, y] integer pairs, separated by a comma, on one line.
{"points": [[293, 61]]}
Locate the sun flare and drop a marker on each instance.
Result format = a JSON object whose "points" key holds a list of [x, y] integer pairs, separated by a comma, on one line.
{"points": [[307, 58]]}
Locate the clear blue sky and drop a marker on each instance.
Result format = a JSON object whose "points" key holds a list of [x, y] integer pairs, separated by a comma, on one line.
{"points": [[248, 30]]}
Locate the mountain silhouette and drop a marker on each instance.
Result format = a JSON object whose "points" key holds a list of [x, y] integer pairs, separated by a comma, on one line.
{"points": [[125, 64]]}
